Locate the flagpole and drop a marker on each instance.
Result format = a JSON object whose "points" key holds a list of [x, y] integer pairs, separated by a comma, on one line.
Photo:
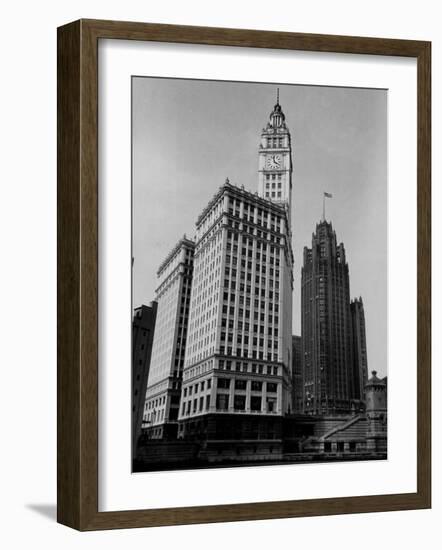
{"points": [[323, 207]]}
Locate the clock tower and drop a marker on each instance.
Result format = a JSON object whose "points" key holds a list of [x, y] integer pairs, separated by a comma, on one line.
{"points": [[275, 160]]}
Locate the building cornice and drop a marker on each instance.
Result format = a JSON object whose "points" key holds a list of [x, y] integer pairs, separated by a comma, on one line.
{"points": [[184, 241], [243, 193]]}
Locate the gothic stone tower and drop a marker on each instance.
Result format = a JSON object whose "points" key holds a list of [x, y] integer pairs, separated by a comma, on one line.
{"points": [[329, 385], [275, 160]]}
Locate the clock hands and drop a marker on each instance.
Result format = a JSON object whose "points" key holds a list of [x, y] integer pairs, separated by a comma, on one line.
{"points": [[274, 161]]}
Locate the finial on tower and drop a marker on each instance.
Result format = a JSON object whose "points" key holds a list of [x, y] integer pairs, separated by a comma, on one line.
{"points": [[277, 96]]}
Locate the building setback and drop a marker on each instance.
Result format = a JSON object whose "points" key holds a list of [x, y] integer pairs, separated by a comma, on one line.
{"points": [[143, 327], [330, 384], [169, 345], [359, 345]]}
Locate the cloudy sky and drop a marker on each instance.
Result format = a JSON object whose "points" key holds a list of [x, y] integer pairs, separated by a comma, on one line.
{"points": [[189, 135]]}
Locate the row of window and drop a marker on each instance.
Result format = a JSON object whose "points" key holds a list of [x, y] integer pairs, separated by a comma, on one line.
{"points": [[276, 226], [222, 404], [240, 325], [274, 185], [273, 142], [241, 300], [231, 311], [239, 403], [243, 276], [247, 354], [235, 262], [155, 403], [247, 367], [261, 249], [199, 386], [241, 384], [245, 340], [260, 234], [250, 209]]}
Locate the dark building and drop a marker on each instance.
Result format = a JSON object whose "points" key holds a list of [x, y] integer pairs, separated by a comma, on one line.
{"points": [[330, 384], [359, 345], [143, 328], [297, 381]]}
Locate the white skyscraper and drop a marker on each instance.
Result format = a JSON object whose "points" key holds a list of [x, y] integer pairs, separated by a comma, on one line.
{"points": [[237, 372], [169, 344]]}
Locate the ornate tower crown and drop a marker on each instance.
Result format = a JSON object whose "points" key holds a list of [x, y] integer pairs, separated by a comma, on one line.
{"points": [[275, 160], [277, 117]]}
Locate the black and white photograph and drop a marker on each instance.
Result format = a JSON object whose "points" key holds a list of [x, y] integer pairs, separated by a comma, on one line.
{"points": [[259, 274]]}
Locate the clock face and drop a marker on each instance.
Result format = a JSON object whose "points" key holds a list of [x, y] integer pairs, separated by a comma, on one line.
{"points": [[274, 162]]}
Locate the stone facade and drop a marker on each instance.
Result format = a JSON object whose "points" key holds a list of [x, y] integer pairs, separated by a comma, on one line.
{"points": [[239, 354], [330, 383], [376, 403], [169, 345], [238, 357], [360, 362]]}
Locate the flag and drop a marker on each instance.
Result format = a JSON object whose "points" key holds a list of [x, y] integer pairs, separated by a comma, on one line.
{"points": [[328, 195]]}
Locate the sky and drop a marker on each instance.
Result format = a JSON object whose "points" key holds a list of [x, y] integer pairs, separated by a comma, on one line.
{"points": [[190, 135]]}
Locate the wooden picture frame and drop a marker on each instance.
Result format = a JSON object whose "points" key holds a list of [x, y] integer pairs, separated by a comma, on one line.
{"points": [[78, 274]]}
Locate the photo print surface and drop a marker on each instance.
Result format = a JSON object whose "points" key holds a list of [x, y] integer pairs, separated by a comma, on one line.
{"points": [[259, 258]]}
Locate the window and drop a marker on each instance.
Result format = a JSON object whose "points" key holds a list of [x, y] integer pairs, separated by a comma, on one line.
{"points": [[256, 385], [240, 384], [239, 402], [255, 403], [222, 402], [271, 387], [224, 383]]}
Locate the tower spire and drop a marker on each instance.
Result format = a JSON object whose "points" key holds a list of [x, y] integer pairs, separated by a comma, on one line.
{"points": [[277, 96]]}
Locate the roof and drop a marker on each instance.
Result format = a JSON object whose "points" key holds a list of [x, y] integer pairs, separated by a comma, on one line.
{"points": [[229, 187], [375, 381], [184, 241]]}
